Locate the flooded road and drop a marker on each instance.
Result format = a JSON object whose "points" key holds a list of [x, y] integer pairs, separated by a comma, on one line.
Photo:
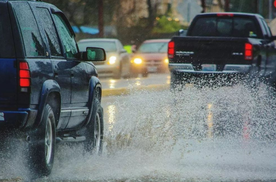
{"points": [[220, 134]]}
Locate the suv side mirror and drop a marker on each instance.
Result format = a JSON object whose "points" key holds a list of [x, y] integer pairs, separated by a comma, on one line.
{"points": [[94, 54]]}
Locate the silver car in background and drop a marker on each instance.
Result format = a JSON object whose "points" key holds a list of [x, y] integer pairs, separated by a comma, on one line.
{"points": [[117, 62]]}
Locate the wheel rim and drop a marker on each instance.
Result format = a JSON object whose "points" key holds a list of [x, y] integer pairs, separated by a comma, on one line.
{"points": [[48, 141], [97, 133]]}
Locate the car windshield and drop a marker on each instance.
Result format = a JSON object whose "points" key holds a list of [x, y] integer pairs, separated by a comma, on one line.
{"points": [[153, 47], [108, 46]]}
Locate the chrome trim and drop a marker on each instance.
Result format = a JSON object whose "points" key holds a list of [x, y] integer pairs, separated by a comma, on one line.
{"points": [[180, 66], [229, 68], [237, 68]]}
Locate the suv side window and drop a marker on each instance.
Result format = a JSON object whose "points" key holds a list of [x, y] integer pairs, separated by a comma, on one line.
{"points": [[70, 46], [48, 28], [31, 37], [6, 34]]}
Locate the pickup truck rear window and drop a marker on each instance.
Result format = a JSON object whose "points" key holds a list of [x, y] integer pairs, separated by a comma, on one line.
{"points": [[6, 41], [225, 27]]}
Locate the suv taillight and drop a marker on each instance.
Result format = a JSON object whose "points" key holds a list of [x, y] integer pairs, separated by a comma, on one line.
{"points": [[248, 51], [171, 49], [24, 76]]}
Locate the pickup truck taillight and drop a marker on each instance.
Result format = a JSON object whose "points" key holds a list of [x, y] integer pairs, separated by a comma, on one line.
{"points": [[24, 76], [171, 49], [225, 14], [248, 51]]}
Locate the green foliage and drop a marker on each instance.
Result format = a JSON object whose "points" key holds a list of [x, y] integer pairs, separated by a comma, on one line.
{"points": [[166, 25]]}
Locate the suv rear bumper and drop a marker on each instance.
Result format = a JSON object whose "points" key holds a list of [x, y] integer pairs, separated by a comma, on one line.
{"points": [[21, 119]]}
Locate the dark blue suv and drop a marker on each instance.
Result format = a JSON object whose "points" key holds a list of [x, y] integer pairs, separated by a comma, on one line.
{"points": [[49, 90]]}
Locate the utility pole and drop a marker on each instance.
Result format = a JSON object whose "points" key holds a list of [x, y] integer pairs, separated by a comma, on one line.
{"points": [[260, 7], [270, 10], [226, 6], [101, 19]]}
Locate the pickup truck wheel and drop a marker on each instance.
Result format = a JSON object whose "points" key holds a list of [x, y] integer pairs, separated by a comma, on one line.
{"points": [[42, 144], [94, 131]]}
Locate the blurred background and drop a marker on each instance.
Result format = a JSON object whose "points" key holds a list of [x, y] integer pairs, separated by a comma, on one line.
{"points": [[133, 21]]}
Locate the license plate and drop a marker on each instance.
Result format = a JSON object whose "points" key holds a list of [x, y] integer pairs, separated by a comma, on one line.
{"points": [[152, 69], [209, 67], [2, 117]]}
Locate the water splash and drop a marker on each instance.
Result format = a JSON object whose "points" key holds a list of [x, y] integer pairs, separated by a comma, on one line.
{"points": [[207, 134]]}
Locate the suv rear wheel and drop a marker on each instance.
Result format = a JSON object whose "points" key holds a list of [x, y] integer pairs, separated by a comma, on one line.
{"points": [[42, 144]]}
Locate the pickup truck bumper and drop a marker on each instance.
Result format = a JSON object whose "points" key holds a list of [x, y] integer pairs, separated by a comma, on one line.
{"points": [[21, 119], [208, 75], [228, 69]]}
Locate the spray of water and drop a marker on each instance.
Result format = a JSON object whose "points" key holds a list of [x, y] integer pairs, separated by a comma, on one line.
{"points": [[206, 134]]}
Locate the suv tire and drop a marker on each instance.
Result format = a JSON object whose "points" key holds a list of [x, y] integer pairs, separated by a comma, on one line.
{"points": [[42, 144], [94, 130]]}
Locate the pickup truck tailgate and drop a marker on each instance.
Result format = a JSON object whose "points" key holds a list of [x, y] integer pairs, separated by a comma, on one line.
{"points": [[210, 50]]}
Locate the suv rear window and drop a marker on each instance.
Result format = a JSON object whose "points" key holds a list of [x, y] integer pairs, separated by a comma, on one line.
{"points": [[226, 27], [6, 41]]}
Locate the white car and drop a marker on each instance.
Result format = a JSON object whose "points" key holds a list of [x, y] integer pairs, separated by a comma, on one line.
{"points": [[117, 62]]}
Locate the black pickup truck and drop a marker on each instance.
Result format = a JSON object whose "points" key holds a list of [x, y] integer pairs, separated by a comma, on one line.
{"points": [[223, 47]]}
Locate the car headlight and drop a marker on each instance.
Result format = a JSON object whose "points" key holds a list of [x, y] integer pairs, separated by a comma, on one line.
{"points": [[166, 60], [137, 61], [112, 60]]}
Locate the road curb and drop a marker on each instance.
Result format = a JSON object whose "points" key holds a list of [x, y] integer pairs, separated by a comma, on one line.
{"points": [[127, 91]]}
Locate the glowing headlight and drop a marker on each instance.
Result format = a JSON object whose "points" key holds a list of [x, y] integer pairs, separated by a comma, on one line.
{"points": [[112, 60], [166, 60], [137, 61]]}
